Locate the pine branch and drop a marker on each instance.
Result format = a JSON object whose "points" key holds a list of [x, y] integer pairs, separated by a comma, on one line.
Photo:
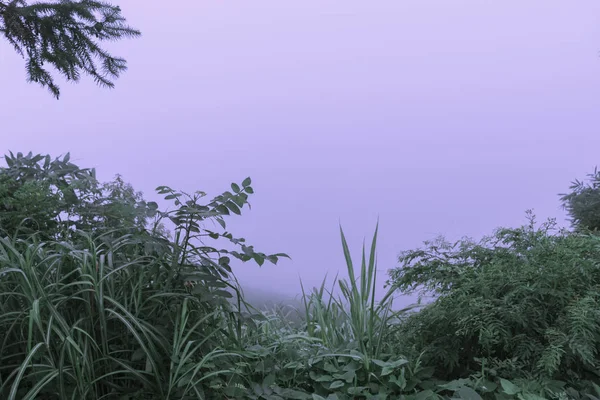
{"points": [[66, 35]]}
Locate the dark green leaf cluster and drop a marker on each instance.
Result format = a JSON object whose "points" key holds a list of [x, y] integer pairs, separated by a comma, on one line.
{"points": [[523, 303], [95, 303], [583, 203], [54, 197], [65, 34]]}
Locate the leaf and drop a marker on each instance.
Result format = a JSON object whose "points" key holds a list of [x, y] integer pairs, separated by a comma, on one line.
{"points": [[381, 363], [292, 394], [531, 396], [399, 381], [235, 187], [249, 190], [425, 394], [336, 385], [233, 207], [468, 394], [509, 387], [66, 158], [455, 385], [347, 376], [260, 260], [320, 378], [356, 390], [222, 209], [272, 259], [269, 380], [247, 182], [223, 293], [239, 200], [224, 260]]}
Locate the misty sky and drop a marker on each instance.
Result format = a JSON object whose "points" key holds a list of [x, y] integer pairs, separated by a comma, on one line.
{"points": [[438, 117]]}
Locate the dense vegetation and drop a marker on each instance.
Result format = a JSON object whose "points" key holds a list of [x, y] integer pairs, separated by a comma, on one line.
{"points": [[103, 295]]}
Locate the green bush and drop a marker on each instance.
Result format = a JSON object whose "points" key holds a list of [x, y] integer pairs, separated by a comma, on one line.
{"points": [[105, 296], [522, 304], [99, 303]]}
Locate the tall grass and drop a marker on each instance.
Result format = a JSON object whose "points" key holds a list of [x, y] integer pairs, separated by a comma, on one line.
{"points": [[100, 320], [354, 319]]}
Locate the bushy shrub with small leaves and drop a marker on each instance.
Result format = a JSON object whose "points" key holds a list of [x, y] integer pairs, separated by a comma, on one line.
{"points": [[522, 304]]}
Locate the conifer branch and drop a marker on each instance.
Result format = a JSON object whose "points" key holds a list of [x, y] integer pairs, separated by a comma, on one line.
{"points": [[66, 35]]}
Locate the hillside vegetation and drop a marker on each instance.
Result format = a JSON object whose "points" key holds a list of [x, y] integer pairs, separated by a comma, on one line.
{"points": [[103, 295]]}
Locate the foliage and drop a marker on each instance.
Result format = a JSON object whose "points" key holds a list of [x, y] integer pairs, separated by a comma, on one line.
{"points": [[54, 197], [66, 35], [342, 352], [114, 313], [105, 296], [353, 320], [583, 203], [523, 303]]}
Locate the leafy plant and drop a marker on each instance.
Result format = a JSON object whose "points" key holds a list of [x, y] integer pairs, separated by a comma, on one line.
{"points": [[521, 304], [583, 203], [120, 310]]}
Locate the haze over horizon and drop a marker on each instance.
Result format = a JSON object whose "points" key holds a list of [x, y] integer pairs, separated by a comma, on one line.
{"points": [[435, 117]]}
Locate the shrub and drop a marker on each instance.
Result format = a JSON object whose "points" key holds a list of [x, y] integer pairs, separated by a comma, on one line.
{"points": [[98, 304], [523, 303]]}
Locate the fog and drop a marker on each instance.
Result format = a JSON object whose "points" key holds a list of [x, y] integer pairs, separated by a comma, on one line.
{"points": [[434, 117]]}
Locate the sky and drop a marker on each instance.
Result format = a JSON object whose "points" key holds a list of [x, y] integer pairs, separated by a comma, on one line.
{"points": [[437, 117]]}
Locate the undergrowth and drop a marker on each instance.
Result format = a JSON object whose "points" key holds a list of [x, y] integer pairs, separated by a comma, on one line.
{"points": [[103, 295]]}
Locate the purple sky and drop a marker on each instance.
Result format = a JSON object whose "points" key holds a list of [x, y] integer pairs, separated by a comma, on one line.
{"points": [[439, 117]]}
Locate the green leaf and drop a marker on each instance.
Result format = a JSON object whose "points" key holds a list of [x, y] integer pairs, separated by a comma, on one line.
{"points": [[292, 394], [269, 380], [247, 182], [249, 189], [320, 378], [468, 394], [530, 396], [347, 376], [222, 209], [381, 363], [336, 385], [509, 387], [260, 260], [235, 187], [424, 395], [239, 200], [221, 222], [224, 260], [223, 293], [233, 207], [455, 385], [272, 259]]}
